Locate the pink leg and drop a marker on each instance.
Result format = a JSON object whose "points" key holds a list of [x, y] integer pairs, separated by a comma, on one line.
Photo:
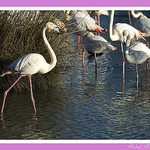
{"points": [[95, 63], [82, 56], [129, 18], [147, 42], [123, 64], [81, 41], [78, 39], [96, 20], [99, 23], [32, 98], [5, 94]]}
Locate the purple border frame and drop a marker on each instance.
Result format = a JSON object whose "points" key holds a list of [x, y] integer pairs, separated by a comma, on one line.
{"points": [[86, 146], [75, 3], [74, 146]]}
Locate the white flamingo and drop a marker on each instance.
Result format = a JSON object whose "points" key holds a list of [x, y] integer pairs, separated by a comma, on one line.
{"points": [[30, 64], [142, 23], [82, 23], [116, 34], [137, 53], [96, 44]]}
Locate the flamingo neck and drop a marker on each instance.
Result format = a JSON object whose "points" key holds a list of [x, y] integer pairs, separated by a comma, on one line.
{"points": [[112, 36], [139, 14], [50, 51]]}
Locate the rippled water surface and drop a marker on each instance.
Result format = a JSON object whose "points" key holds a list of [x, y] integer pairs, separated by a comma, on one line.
{"points": [[87, 105]]}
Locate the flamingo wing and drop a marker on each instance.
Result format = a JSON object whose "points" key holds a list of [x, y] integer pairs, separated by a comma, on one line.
{"points": [[27, 64], [143, 25]]}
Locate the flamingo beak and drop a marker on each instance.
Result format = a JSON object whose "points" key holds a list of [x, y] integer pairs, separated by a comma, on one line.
{"points": [[115, 48], [141, 36], [108, 13], [1, 75], [62, 25], [56, 28]]}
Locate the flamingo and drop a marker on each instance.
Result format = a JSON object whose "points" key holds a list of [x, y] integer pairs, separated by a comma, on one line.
{"points": [[32, 63], [116, 34], [137, 54], [96, 44], [82, 23], [142, 23]]}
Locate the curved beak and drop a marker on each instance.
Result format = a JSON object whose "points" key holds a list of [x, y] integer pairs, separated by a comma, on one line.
{"points": [[56, 28]]}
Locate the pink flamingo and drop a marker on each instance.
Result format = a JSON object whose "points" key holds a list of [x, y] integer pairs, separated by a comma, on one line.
{"points": [[82, 23], [116, 34], [33, 63], [96, 44], [141, 23]]}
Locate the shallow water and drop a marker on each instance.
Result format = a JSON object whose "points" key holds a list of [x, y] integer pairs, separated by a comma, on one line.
{"points": [[87, 106]]}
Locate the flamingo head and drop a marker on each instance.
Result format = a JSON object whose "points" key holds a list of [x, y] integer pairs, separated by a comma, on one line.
{"points": [[50, 26]]}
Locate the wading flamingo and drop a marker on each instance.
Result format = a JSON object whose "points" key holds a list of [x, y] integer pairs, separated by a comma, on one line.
{"points": [[137, 53], [96, 44], [116, 34], [30, 64]]}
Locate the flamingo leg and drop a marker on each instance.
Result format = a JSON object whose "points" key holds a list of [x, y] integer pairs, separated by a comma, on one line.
{"points": [[81, 39], [147, 44], [137, 77], [95, 63], [95, 17], [6, 92], [129, 18], [78, 39], [98, 22], [123, 64], [32, 98], [83, 51]]}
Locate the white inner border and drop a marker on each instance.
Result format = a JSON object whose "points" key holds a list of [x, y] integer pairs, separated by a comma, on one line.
{"points": [[76, 141]]}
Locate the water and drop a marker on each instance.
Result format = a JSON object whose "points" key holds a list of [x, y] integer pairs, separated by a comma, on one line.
{"points": [[86, 106]]}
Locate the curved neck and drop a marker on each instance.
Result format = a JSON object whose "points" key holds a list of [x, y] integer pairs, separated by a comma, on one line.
{"points": [[126, 37], [139, 14], [111, 34], [50, 50]]}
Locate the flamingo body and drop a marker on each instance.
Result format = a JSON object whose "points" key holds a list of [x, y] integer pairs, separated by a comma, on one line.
{"points": [[116, 31], [120, 27], [137, 53], [141, 22], [143, 25], [30, 64], [82, 24], [97, 44]]}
